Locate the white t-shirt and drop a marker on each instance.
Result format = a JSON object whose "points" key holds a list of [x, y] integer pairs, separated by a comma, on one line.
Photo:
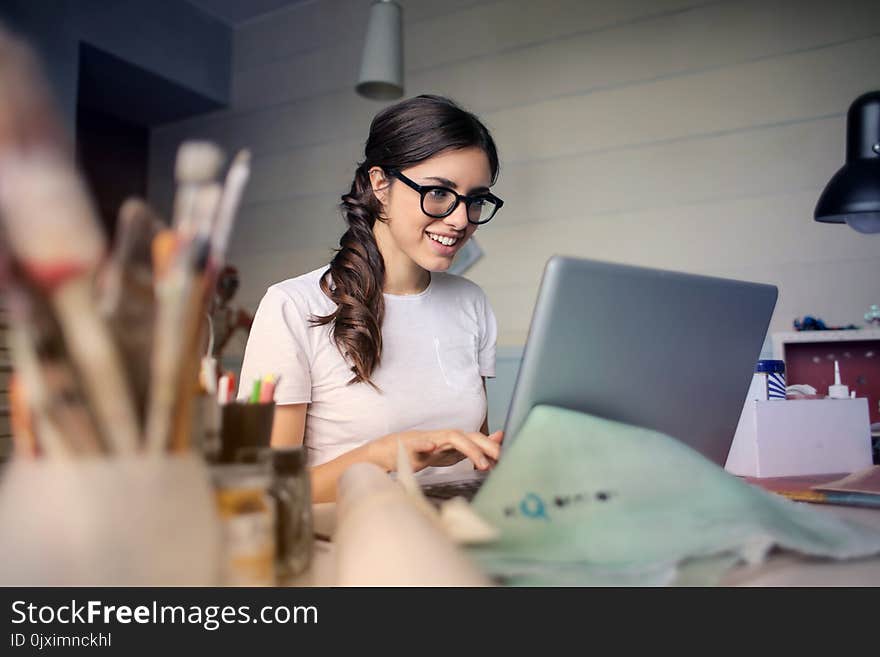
{"points": [[437, 346]]}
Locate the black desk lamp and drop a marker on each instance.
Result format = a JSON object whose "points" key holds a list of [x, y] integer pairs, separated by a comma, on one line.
{"points": [[852, 195]]}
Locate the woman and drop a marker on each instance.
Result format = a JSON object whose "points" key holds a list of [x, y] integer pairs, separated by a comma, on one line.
{"points": [[382, 346]]}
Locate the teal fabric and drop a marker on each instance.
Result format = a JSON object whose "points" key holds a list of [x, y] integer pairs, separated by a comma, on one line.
{"points": [[580, 500]]}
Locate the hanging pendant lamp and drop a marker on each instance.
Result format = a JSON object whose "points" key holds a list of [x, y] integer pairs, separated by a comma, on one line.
{"points": [[381, 74]]}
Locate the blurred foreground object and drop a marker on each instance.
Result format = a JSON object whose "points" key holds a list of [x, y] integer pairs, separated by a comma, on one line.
{"points": [[108, 522], [58, 246], [384, 539], [106, 344], [105, 487]]}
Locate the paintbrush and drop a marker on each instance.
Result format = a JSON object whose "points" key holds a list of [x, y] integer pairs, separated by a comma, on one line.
{"points": [[170, 284], [217, 234], [197, 162], [21, 421], [27, 389], [129, 267], [50, 438], [48, 381], [125, 294], [193, 330], [52, 231], [178, 295], [197, 165], [233, 190], [27, 115], [179, 259]]}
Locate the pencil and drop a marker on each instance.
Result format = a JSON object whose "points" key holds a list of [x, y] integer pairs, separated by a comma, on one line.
{"points": [[255, 391], [267, 389]]}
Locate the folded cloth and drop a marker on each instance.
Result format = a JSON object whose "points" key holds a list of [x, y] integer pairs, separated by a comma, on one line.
{"points": [[580, 500]]}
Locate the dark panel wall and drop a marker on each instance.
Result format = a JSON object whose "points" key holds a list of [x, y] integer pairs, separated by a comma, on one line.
{"points": [[169, 38]]}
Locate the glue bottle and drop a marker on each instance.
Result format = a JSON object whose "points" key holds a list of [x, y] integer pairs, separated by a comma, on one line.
{"points": [[838, 390]]}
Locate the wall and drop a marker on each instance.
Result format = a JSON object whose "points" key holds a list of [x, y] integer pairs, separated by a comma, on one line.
{"points": [[169, 38], [680, 134]]}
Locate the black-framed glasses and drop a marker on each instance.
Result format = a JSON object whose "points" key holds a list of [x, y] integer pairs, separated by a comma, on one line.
{"points": [[438, 201]]}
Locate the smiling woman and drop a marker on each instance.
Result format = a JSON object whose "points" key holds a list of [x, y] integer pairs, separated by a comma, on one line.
{"points": [[383, 345]]}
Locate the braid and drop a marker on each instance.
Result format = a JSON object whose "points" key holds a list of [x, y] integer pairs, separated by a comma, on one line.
{"points": [[358, 274]]}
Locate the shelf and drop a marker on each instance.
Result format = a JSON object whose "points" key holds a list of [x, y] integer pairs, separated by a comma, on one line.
{"points": [[809, 359]]}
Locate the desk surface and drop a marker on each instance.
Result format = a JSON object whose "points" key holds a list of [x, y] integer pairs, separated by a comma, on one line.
{"points": [[779, 569], [789, 569]]}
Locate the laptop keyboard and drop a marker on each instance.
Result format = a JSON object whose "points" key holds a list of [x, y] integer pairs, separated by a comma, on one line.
{"points": [[446, 491]]}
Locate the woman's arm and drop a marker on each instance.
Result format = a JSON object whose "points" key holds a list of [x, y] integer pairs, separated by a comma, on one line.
{"points": [[288, 429], [289, 425]]}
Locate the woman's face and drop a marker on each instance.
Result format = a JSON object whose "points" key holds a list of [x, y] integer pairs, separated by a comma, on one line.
{"points": [[415, 234]]}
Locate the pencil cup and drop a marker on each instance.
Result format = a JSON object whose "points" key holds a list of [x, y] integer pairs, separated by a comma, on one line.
{"points": [[245, 429], [132, 521], [207, 419]]}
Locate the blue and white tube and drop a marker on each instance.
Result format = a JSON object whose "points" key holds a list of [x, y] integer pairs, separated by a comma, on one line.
{"points": [[770, 375]]}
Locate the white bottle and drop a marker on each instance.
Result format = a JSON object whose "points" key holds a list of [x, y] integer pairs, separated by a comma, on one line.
{"points": [[838, 391]]}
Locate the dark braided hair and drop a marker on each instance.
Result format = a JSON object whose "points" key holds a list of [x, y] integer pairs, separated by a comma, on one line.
{"points": [[401, 136]]}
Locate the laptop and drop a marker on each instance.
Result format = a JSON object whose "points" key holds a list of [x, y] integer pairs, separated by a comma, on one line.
{"points": [[663, 350]]}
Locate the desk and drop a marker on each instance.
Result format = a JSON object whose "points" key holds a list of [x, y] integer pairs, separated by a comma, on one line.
{"points": [[790, 569], [779, 569]]}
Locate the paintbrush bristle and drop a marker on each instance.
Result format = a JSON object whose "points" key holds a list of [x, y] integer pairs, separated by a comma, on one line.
{"points": [[164, 247], [132, 208], [242, 158], [236, 178], [197, 162], [27, 115], [49, 217]]}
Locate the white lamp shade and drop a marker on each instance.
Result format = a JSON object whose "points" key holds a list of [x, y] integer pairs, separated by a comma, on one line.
{"points": [[381, 75]]}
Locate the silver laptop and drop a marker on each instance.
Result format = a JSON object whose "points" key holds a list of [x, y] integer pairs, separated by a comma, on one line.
{"points": [[663, 350]]}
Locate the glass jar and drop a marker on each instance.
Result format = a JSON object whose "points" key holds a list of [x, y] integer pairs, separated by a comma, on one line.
{"points": [[247, 515], [291, 488]]}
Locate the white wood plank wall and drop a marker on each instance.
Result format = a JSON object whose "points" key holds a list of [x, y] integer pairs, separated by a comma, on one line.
{"points": [[682, 134]]}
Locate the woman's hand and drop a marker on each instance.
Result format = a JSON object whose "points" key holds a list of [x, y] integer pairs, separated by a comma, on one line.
{"points": [[438, 448]]}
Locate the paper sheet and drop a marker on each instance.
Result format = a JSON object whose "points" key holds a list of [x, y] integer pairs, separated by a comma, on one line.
{"points": [[582, 500], [865, 481]]}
